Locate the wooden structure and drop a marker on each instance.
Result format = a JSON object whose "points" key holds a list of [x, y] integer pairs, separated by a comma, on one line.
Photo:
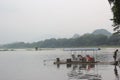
{"points": [[70, 61], [78, 62]]}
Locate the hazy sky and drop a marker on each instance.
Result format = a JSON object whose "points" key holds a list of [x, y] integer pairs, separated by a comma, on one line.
{"points": [[34, 20]]}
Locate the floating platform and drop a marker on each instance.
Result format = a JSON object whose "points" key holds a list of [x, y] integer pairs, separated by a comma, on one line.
{"points": [[78, 62]]}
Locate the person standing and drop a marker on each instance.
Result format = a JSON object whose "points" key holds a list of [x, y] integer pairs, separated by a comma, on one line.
{"points": [[115, 54]]}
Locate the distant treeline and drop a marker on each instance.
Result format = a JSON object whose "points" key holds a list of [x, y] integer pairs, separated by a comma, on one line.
{"points": [[85, 40]]}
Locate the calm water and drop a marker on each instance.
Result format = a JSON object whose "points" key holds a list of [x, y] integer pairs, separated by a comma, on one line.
{"points": [[38, 65]]}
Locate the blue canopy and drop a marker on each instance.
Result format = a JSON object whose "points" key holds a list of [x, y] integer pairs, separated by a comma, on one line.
{"points": [[81, 49]]}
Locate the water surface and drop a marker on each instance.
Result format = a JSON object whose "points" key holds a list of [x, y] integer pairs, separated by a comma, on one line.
{"points": [[38, 65]]}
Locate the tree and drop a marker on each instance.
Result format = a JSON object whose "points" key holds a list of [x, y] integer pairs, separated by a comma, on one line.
{"points": [[116, 14]]}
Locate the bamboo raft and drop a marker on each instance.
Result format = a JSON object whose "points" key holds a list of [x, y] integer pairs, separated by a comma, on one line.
{"points": [[70, 61], [78, 62]]}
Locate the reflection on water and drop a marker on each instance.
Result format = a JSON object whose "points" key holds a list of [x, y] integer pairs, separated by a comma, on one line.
{"points": [[88, 72], [83, 71], [116, 73]]}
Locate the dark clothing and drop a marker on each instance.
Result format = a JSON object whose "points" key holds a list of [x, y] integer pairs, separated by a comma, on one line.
{"points": [[115, 54]]}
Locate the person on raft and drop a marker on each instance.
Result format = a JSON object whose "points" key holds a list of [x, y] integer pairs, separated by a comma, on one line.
{"points": [[89, 58], [73, 57], [80, 58]]}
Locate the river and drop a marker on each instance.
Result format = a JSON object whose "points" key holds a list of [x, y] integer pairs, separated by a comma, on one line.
{"points": [[38, 65]]}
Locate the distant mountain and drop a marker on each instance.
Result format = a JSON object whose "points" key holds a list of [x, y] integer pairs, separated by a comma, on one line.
{"points": [[102, 31], [76, 36], [86, 40]]}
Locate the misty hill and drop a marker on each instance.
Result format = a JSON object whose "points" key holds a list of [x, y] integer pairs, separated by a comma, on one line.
{"points": [[95, 32], [86, 40], [76, 36], [102, 31]]}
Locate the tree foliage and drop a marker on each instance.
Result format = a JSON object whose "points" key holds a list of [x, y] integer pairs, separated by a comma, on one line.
{"points": [[86, 40], [116, 14]]}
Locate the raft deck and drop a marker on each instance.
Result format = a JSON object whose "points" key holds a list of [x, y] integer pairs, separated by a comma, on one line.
{"points": [[78, 62]]}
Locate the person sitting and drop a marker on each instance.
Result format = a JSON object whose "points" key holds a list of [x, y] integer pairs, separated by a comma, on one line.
{"points": [[89, 58], [80, 58], [73, 57]]}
